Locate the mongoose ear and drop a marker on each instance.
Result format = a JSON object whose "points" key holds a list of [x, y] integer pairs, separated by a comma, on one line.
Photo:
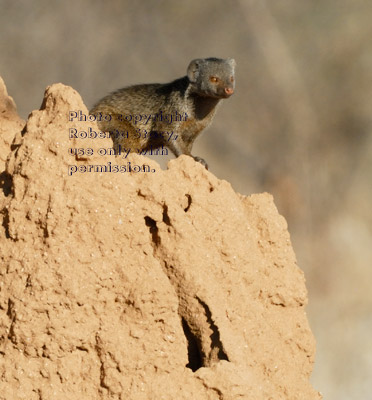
{"points": [[193, 70], [231, 61]]}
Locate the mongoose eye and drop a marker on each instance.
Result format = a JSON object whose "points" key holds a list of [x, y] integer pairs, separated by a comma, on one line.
{"points": [[213, 79], [232, 79]]}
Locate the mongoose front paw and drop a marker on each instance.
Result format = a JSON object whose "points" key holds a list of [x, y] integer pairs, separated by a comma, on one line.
{"points": [[202, 161]]}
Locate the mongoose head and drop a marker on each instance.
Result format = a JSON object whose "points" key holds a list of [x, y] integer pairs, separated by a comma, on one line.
{"points": [[212, 77]]}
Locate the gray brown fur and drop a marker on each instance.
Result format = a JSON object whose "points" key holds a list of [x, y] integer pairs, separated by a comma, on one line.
{"points": [[197, 94]]}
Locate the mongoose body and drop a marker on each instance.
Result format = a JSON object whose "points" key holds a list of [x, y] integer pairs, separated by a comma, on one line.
{"points": [[171, 114]]}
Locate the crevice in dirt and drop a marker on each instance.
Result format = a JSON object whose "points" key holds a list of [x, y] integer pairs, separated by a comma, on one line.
{"points": [[189, 201], [217, 347], [151, 223], [12, 316], [6, 183], [204, 346], [208, 387], [102, 372], [82, 348], [5, 223], [166, 218], [193, 348], [44, 229]]}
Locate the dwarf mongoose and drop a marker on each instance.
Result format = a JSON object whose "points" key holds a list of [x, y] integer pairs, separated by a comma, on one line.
{"points": [[149, 116]]}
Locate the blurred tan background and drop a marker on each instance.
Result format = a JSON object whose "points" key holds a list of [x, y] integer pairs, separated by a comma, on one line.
{"points": [[299, 125]]}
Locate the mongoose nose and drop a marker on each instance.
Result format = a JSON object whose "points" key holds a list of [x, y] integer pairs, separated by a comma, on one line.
{"points": [[229, 91]]}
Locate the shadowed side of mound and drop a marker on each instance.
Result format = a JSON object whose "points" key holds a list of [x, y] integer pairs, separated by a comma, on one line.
{"points": [[141, 285]]}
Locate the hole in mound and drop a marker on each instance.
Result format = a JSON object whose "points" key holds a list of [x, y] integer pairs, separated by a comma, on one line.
{"points": [[195, 359], [151, 223], [6, 183]]}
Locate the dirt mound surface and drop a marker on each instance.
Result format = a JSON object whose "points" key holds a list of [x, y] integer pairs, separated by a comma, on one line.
{"points": [[149, 285]]}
